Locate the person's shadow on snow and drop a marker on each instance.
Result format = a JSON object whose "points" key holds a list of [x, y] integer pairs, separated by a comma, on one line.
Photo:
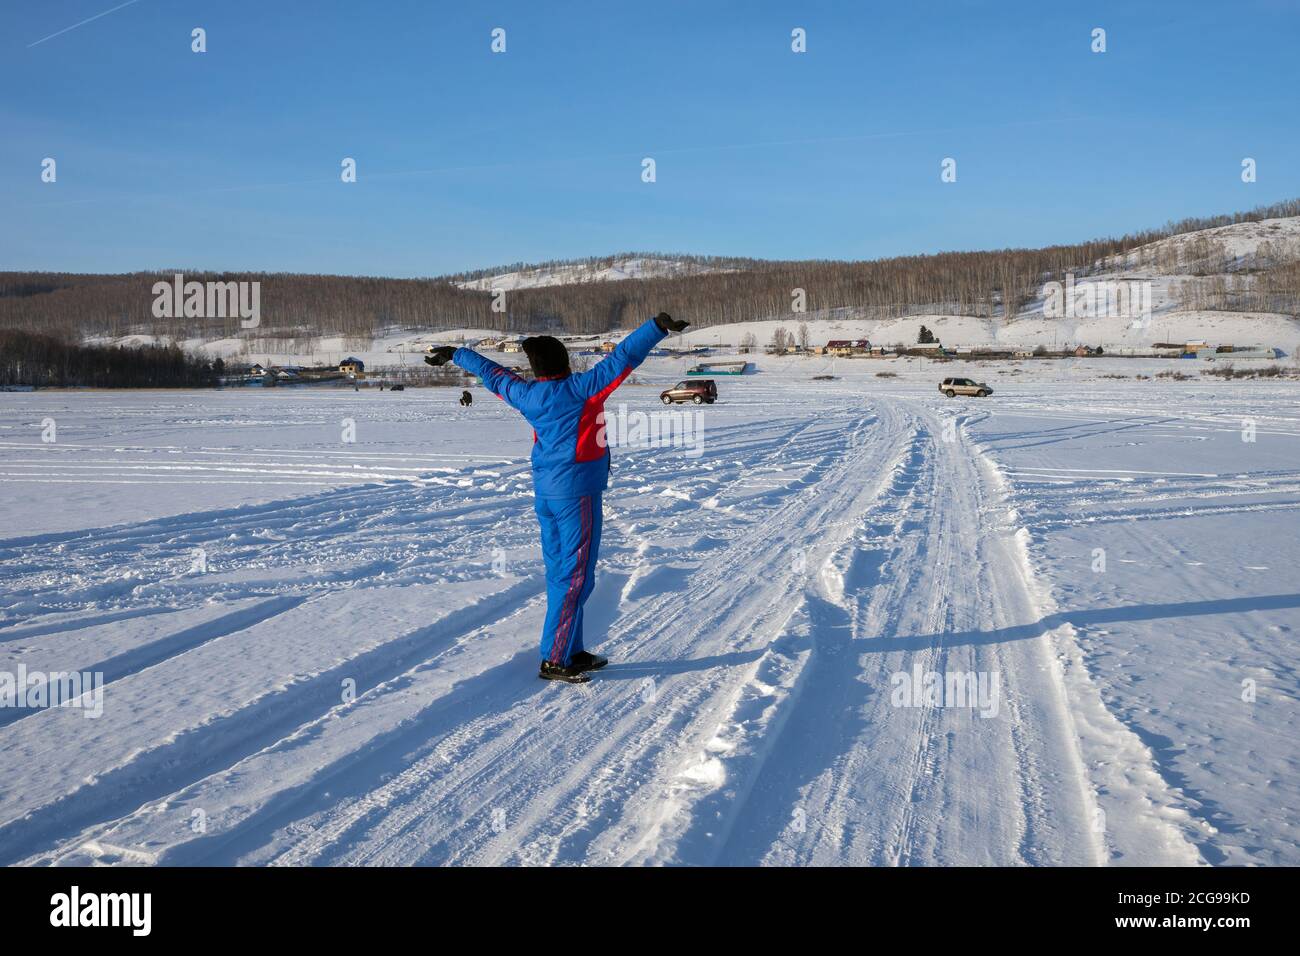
{"points": [[639, 670]]}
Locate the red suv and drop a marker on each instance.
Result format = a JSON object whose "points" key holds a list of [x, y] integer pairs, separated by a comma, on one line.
{"points": [[697, 390]]}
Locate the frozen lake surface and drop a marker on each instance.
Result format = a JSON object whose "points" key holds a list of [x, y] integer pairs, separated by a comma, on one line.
{"points": [[315, 613]]}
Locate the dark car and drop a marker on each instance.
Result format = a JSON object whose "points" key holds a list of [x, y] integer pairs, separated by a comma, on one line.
{"points": [[697, 390], [397, 388]]}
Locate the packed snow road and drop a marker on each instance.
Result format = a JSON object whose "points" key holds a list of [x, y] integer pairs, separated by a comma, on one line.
{"points": [[864, 625]]}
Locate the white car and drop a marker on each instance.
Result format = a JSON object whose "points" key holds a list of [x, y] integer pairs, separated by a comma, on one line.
{"points": [[964, 386]]}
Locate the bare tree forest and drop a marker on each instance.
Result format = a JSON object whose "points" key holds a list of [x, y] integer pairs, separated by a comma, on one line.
{"points": [[295, 306], [1275, 290], [28, 358]]}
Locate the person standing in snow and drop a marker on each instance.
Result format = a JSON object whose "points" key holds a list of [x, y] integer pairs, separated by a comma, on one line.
{"points": [[571, 466]]}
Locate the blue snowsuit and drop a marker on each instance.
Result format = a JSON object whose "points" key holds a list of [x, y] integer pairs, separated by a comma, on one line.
{"points": [[570, 471]]}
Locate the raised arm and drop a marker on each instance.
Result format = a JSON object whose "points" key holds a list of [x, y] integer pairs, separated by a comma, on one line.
{"points": [[505, 383], [607, 374]]}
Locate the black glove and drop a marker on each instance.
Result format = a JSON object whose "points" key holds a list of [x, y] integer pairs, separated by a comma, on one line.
{"points": [[439, 356], [667, 323]]}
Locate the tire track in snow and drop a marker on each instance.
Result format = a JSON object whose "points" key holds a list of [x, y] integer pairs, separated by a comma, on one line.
{"points": [[552, 791], [872, 783], [342, 762], [138, 658], [217, 741]]}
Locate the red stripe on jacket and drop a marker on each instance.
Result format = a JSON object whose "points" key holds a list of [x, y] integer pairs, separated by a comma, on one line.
{"points": [[590, 447]]}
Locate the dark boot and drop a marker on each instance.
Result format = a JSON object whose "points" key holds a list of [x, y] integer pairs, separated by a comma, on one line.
{"points": [[587, 662], [571, 674]]}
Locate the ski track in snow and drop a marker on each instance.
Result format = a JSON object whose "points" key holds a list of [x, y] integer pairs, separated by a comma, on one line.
{"points": [[756, 603]]}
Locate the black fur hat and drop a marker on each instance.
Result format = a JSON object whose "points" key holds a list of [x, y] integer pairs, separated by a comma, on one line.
{"points": [[547, 356]]}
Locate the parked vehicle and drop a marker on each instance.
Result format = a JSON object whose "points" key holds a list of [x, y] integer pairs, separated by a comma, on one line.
{"points": [[700, 391], [964, 386], [397, 388]]}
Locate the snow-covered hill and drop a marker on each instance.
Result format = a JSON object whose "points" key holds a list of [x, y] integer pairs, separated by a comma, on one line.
{"points": [[609, 270], [1030, 329], [1226, 245], [1159, 267]]}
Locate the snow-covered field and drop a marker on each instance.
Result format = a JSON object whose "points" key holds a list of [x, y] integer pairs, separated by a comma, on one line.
{"points": [[1107, 564]]}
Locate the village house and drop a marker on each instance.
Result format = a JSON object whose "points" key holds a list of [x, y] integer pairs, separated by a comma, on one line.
{"points": [[352, 366]]}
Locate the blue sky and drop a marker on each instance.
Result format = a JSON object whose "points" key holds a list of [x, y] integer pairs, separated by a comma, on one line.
{"points": [[230, 159]]}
